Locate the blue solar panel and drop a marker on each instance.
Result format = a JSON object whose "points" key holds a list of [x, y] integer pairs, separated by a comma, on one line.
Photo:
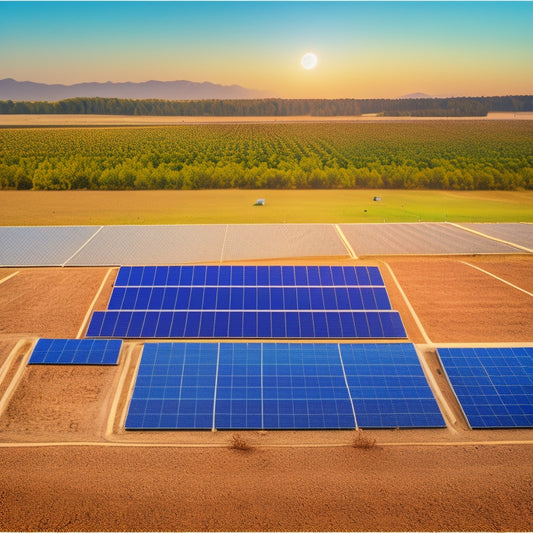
{"points": [[175, 387], [75, 352], [246, 324], [280, 386], [388, 386], [493, 385], [250, 276], [249, 298]]}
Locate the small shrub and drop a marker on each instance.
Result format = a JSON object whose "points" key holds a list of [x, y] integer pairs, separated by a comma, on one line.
{"points": [[238, 443], [363, 441]]}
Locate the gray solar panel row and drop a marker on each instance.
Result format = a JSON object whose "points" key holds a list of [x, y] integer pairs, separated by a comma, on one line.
{"points": [[280, 386], [493, 385]]}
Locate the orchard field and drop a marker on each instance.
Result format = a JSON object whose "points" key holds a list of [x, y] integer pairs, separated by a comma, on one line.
{"points": [[433, 154]]}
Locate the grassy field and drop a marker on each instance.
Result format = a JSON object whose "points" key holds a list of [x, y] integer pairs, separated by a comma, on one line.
{"points": [[18, 208]]}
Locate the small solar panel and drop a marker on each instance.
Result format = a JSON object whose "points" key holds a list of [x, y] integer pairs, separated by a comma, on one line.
{"points": [[388, 386], [175, 387], [493, 385], [75, 352]]}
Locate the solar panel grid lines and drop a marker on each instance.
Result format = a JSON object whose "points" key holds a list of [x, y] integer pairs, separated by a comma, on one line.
{"points": [[494, 386], [76, 352], [275, 386]]}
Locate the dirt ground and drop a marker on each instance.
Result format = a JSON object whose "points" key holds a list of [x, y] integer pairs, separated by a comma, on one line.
{"points": [[457, 303], [68, 464], [343, 489]]}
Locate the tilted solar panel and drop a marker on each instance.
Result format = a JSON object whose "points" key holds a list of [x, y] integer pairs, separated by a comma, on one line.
{"points": [[75, 352], [265, 276], [493, 385]]}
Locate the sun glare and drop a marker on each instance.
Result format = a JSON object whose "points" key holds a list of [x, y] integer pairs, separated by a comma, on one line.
{"points": [[309, 61]]}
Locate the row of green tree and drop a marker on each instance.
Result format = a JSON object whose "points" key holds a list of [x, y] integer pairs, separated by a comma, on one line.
{"points": [[467, 106], [461, 155]]}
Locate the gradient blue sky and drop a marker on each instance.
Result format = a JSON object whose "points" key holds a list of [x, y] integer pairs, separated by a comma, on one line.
{"points": [[365, 49]]}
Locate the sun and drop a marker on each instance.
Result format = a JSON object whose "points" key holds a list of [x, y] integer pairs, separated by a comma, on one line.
{"points": [[309, 61]]}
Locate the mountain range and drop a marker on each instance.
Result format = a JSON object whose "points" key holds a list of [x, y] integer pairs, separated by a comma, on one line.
{"points": [[11, 89]]}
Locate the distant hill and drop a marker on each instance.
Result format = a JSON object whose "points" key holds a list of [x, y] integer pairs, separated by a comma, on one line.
{"points": [[11, 89], [416, 95]]}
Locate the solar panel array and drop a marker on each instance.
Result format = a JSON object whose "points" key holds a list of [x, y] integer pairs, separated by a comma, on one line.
{"points": [[493, 385], [248, 302], [75, 352], [280, 386]]}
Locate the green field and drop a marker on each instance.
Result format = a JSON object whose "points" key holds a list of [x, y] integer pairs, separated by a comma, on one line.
{"points": [[236, 206]]}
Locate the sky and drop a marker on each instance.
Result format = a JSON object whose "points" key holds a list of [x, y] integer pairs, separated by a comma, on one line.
{"points": [[364, 49]]}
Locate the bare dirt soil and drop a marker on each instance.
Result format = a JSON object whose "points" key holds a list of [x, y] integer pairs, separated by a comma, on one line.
{"points": [[431, 480], [48, 302], [59, 402], [342, 489], [457, 303]]}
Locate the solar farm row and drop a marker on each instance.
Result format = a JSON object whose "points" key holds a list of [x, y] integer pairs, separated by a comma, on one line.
{"points": [[246, 324], [249, 298], [280, 386], [249, 276], [307, 385]]}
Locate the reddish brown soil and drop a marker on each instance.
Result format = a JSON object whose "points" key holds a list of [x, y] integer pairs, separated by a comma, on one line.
{"points": [[457, 303], [394, 489], [519, 271], [59, 402], [48, 302]]}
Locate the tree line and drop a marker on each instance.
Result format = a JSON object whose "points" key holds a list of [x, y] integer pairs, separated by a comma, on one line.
{"points": [[452, 107]]}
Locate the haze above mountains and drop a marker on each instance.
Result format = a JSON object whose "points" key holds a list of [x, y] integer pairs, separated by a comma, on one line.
{"points": [[11, 89]]}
